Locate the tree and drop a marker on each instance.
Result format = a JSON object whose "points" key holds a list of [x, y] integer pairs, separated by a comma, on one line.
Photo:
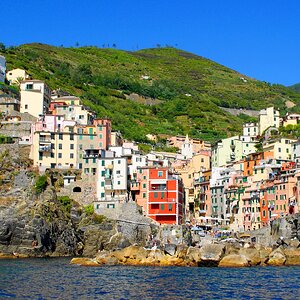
{"points": [[2, 47]]}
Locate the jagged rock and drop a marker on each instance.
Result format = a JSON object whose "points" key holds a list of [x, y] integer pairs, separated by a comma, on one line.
{"points": [[252, 255], [170, 249], [276, 258], [181, 251], [294, 243], [193, 254], [84, 261], [212, 252], [292, 256], [234, 260]]}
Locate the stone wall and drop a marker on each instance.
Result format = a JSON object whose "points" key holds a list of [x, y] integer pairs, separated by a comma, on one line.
{"points": [[86, 195], [16, 129]]}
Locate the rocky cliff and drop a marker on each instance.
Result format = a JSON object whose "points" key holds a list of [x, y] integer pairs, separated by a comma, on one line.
{"points": [[40, 224]]}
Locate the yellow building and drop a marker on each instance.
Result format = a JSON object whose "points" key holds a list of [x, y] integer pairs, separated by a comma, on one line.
{"points": [[35, 97], [268, 117], [15, 76], [281, 148]]}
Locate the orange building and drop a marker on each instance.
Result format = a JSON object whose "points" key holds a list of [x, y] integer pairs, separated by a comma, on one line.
{"points": [[253, 160], [161, 195]]}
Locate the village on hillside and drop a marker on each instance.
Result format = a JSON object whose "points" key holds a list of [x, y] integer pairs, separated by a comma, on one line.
{"points": [[240, 183]]}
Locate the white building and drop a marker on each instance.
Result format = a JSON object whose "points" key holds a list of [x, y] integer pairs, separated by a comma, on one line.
{"points": [[2, 68], [112, 180], [187, 148], [35, 97], [250, 132]]}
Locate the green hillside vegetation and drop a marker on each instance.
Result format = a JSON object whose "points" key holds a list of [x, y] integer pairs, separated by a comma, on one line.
{"points": [[295, 87], [190, 89]]}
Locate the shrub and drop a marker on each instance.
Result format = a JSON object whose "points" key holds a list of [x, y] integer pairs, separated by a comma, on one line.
{"points": [[41, 184], [66, 202], [89, 209]]}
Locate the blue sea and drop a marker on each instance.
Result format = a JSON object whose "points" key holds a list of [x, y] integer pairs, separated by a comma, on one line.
{"points": [[57, 279]]}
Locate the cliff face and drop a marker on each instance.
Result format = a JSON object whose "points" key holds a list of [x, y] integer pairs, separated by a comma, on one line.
{"points": [[37, 225]]}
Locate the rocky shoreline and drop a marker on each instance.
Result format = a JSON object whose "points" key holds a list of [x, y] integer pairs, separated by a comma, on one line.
{"points": [[209, 255]]}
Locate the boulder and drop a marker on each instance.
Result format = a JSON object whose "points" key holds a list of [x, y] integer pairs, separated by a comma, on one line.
{"points": [[170, 249], [193, 254], [84, 261], [181, 251], [276, 258], [211, 253], [234, 260], [292, 256], [252, 255], [294, 243]]}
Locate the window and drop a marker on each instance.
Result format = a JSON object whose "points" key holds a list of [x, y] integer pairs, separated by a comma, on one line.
{"points": [[71, 146], [29, 86], [80, 166], [119, 182], [144, 195], [40, 155], [52, 136], [72, 137], [102, 162], [279, 149], [102, 195], [144, 185], [60, 136], [26, 106], [170, 207], [71, 155], [102, 183], [60, 146], [162, 195], [52, 155], [94, 160], [119, 162], [100, 136], [160, 173], [59, 155], [155, 195], [100, 144], [86, 170], [102, 173], [118, 172], [162, 207]]}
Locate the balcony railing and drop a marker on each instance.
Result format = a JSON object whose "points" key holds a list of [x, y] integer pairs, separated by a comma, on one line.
{"points": [[162, 200]]}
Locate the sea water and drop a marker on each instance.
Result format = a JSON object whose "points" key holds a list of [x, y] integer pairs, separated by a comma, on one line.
{"points": [[57, 279]]}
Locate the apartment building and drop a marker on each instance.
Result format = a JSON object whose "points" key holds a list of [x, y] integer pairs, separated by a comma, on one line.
{"points": [[35, 97], [60, 143], [112, 182], [268, 117], [161, 196], [282, 148]]}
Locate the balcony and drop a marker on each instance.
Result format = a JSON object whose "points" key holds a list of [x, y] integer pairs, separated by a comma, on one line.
{"points": [[45, 140], [44, 148], [164, 200], [158, 187], [154, 212]]}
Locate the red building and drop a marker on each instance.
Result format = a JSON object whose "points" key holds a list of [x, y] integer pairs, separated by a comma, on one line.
{"points": [[164, 195]]}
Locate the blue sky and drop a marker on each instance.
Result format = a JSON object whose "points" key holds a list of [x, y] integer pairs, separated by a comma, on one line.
{"points": [[259, 38]]}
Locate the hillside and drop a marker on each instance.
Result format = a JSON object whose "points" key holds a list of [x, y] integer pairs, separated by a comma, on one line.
{"points": [[295, 87], [186, 91]]}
